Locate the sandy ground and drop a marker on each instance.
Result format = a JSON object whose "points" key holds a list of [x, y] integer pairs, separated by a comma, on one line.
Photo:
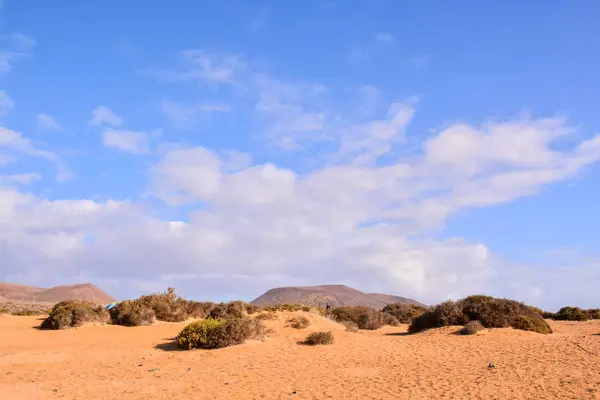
{"points": [[112, 362]]}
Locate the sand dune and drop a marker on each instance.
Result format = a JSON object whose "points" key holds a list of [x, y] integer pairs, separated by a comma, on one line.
{"points": [[114, 362]]}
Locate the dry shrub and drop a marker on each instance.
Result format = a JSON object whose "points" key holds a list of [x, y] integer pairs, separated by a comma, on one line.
{"points": [[571, 314], [547, 315], [491, 312], [231, 310], [132, 313], [251, 308], [28, 313], [167, 306], [593, 313], [350, 326], [70, 313], [268, 315], [199, 309], [288, 307], [471, 328], [218, 333], [404, 312], [364, 317], [319, 338], [300, 322], [390, 320]]}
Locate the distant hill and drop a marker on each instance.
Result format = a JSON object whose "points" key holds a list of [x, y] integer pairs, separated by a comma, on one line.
{"points": [[334, 295], [85, 291]]}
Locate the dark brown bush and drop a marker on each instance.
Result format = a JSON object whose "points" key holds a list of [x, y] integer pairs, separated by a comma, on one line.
{"points": [[69, 313], [231, 310], [319, 338], [404, 312], [593, 313], [571, 314], [364, 317], [350, 326], [132, 313], [471, 328], [299, 322], [28, 313], [547, 315], [491, 312]]}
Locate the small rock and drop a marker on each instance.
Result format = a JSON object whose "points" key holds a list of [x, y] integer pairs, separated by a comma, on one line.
{"points": [[153, 369], [189, 369], [227, 383], [492, 365], [294, 392]]}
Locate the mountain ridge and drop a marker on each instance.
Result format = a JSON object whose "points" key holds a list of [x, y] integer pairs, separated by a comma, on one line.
{"points": [[81, 291], [334, 295]]}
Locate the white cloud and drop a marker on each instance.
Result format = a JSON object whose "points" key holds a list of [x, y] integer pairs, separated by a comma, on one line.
{"points": [[188, 116], [47, 122], [102, 115], [126, 141], [12, 47], [385, 38], [6, 103], [22, 179]]}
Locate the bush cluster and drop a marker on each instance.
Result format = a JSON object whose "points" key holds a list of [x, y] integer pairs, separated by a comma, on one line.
{"points": [[300, 322], [319, 338], [491, 312], [213, 333], [404, 313], [267, 315], [70, 313], [363, 317], [233, 309], [571, 314]]}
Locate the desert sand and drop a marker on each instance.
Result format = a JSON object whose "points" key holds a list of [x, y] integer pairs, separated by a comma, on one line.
{"points": [[115, 362]]}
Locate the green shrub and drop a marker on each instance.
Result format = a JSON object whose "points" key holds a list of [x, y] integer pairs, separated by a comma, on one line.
{"points": [[471, 328], [491, 312], [217, 333], [300, 322], [319, 338], [547, 315], [70, 313], [132, 313], [571, 314], [193, 336], [404, 312]]}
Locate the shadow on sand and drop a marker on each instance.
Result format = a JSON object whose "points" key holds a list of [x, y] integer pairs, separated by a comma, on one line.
{"points": [[398, 334], [171, 345]]}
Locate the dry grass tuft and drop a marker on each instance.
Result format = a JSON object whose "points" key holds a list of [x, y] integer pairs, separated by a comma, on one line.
{"points": [[300, 322], [471, 328], [319, 338]]}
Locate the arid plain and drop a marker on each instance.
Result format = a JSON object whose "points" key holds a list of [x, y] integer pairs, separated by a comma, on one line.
{"points": [[115, 362]]}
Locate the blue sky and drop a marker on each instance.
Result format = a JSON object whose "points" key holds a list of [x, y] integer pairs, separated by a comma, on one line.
{"points": [[428, 150]]}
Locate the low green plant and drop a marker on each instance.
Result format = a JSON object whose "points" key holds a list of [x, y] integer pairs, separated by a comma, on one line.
{"points": [[70, 313]]}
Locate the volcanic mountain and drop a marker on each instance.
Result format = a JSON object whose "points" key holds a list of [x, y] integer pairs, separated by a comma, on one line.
{"points": [[334, 295], [85, 291]]}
